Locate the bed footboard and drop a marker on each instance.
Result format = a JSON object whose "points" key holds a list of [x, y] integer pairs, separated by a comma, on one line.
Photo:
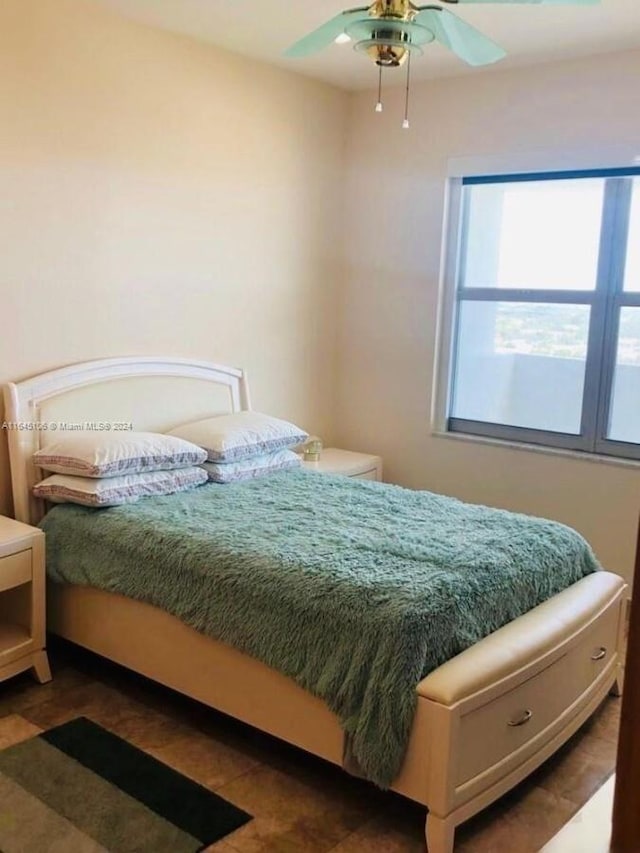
{"points": [[484, 720], [498, 710]]}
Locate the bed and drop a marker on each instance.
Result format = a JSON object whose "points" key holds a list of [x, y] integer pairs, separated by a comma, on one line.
{"points": [[483, 720]]}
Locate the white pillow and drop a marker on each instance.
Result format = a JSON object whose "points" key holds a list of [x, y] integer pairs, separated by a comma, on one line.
{"points": [[247, 469], [109, 454], [229, 438], [113, 491]]}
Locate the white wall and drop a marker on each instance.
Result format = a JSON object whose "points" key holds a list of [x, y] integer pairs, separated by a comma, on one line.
{"points": [[395, 194], [160, 196]]}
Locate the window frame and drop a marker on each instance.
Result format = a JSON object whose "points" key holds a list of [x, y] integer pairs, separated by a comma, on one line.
{"points": [[606, 302]]}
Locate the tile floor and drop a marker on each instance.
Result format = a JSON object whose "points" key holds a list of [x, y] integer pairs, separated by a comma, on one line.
{"points": [[590, 828], [300, 803]]}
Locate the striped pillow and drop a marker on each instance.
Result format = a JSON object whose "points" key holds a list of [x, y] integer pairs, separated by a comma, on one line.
{"points": [[249, 469], [243, 435], [109, 454], [114, 491]]}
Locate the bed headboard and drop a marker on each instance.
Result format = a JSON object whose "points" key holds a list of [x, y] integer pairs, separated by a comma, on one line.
{"points": [[152, 394]]}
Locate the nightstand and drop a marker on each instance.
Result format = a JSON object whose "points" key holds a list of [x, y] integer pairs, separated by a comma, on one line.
{"points": [[22, 601], [359, 466]]}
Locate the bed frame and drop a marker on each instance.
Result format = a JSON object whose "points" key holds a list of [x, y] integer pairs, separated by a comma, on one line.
{"points": [[484, 720]]}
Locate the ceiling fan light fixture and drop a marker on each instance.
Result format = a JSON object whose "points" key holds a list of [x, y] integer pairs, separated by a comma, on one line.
{"points": [[386, 52], [388, 43], [406, 31], [385, 56]]}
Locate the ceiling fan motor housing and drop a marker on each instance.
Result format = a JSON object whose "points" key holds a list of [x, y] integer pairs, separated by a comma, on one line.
{"points": [[401, 10]]}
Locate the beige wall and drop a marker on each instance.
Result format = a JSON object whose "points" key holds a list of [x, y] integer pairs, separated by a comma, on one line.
{"points": [[159, 196], [162, 196], [395, 190]]}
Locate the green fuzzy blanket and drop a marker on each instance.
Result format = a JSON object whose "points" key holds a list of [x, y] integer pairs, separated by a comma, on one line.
{"points": [[355, 589]]}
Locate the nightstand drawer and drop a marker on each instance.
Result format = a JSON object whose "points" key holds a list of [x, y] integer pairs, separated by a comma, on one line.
{"points": [[15, 570]]}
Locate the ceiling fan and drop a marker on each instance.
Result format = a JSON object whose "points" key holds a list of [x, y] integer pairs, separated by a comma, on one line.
{"points": [[390, 31]]}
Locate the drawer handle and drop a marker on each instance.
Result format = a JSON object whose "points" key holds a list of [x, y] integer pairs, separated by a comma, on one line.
{"points": [[600, 654], [525, 718]]}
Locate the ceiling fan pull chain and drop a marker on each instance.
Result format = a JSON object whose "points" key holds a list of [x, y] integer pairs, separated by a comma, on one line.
{"points": [[405, 123], [379, 104]]}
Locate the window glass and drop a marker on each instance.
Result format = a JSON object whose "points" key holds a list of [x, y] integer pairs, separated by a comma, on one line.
{"points": [[532, 235], [624, 421], [632, 271], [521, 364]]}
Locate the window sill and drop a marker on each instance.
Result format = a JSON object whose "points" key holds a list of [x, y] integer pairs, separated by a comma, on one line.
{"points": [[594, 458]]}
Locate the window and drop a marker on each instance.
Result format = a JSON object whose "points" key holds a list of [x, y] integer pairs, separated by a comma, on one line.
{"points": [[546, 345]]}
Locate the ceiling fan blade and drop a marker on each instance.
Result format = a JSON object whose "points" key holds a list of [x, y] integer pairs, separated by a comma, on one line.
{"points": [[461, 38], [537, 2], [324, 35]]}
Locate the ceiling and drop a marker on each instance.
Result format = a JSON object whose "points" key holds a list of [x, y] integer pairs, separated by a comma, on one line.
{"points": [[264, 28]]}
